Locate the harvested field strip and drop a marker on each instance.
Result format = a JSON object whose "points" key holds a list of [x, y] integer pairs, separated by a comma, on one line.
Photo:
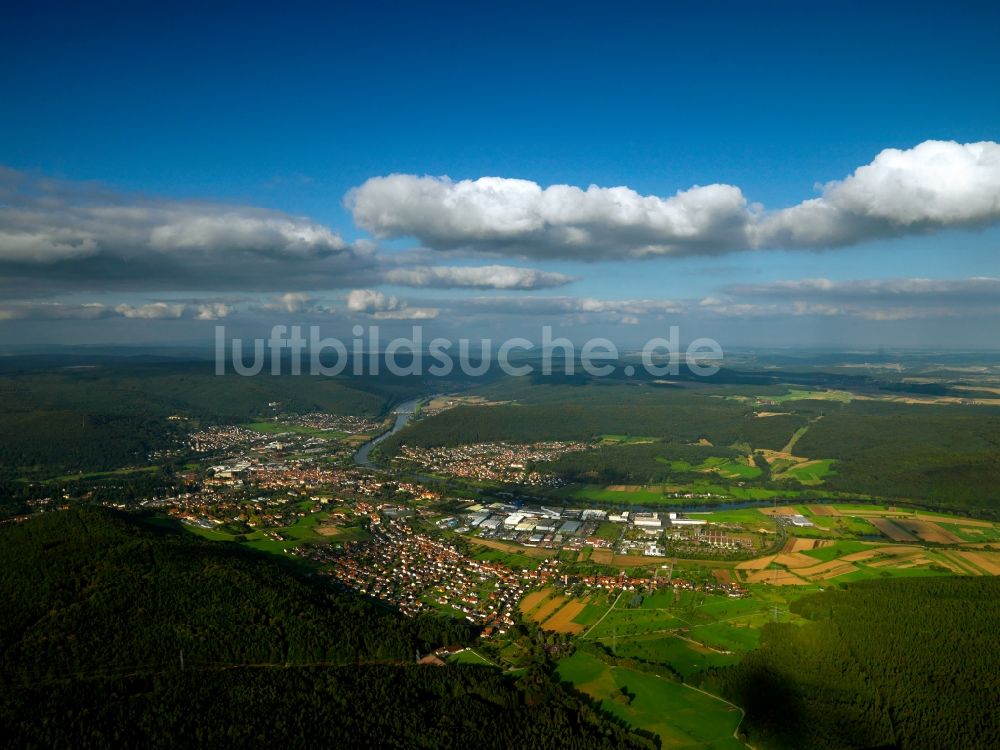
{"points": [[881, 563], [823, 510], [562, 621], [533, 599], [602, 556], [823, 568], [929, 531], [798, 544], [776, 577], [984, 560], [795, 560], [893, 531], [759, 564], [961, 563], [896, 550], [894, 560], [859, 556], [549, 607], [953, 566], [963, 521], [900, 550], [840, 570]]}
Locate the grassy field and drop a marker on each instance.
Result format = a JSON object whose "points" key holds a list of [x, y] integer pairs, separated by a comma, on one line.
{"points": [[593, 612], [628, 439], [510, 559], [124, 472], [798, 394], [685, 657], [471, 656], [640, 496], [609, 531], [748, 516], [215, 536], [655, 494], [835, 550], [625, 622], [730, 468], [973, 533], [796, 436], [692, 629], [302, 531], [681, 716], [810, 472]]}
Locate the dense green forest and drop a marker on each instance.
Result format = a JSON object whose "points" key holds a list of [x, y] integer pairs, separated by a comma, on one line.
{"points": [[949, 455], [67, 579], [305, 707], [102, 416], [907, 663], [633, 463], [683, 420], [107, 414], [119, 633], [944, 456]]}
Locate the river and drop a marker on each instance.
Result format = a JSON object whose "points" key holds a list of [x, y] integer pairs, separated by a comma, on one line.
{"points": [[403, 413]]}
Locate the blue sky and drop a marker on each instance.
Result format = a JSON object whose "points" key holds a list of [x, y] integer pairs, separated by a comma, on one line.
{"points": [[288, 108]]}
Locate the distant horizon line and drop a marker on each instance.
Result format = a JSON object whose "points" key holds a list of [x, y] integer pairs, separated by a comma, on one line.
{"points": [[8, 350]]}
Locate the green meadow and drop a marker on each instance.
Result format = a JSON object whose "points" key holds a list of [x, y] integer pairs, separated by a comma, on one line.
{"points": [[811, 473], [835, 550], [681, 716], [628, 439], [685, 657], [470, 656], [510, 559]]}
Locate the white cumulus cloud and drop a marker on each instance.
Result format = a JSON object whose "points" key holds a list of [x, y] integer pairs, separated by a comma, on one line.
{"points": [[57, 235], [869, 299], [152, 310], [52, 310], [212, 311], [933, 186], [386, 307], [520, 217], [476, 277], [294, 303]]}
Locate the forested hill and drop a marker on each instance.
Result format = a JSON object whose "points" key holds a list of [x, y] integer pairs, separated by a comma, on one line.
{"points": [[909, 663], [98, 611], [108, 414]]}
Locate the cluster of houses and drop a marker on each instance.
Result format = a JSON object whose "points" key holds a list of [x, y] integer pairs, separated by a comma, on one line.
{"points": [[507, 463], [414, 573], [251, 443], [349, 423], [224, 437]]}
